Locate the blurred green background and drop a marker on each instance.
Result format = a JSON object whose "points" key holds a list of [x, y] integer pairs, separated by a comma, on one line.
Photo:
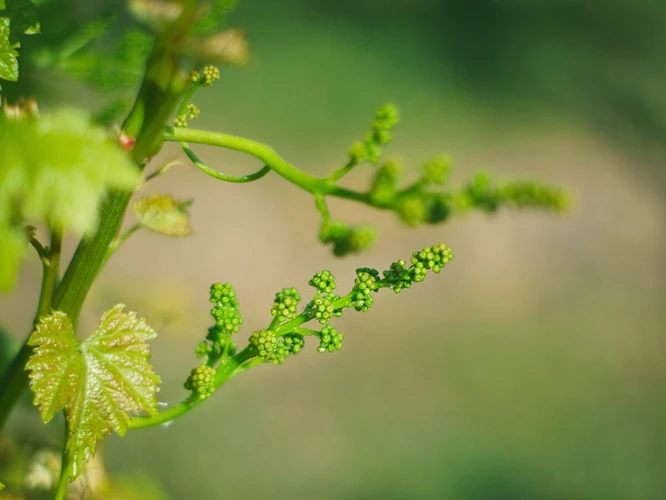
{"points": [[533, 367]]}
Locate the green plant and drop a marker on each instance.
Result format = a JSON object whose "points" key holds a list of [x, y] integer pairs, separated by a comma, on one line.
{"points": [[69, 171]]}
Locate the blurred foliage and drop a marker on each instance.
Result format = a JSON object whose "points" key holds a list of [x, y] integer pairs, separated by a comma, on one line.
{"points": [[8, 349], [61, 183], [600, 62]]}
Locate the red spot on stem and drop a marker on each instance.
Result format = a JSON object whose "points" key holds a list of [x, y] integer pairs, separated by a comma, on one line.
{"points": [[126, 142]]}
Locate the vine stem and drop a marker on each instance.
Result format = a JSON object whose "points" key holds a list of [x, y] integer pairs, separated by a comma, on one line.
{"points": [[342, 171], [115, 244], [15, 379], [224, 372], [272, 159], [238, 179], [63, 481]]}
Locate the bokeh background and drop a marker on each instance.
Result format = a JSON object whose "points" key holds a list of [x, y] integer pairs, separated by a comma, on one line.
{"points": [[533, 367]]}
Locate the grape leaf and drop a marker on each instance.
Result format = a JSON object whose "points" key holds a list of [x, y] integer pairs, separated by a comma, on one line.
{"points": [[8, 53], [17, 17], [99, 382], [163, 214], [23, 15], [54, 169]]}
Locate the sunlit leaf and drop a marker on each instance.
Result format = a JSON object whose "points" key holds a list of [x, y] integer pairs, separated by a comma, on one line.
{"points": [[99, 382], [8, 53], [163, 214], [17, 17], [54, 169]]}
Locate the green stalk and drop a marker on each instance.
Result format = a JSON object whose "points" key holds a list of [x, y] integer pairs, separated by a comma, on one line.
{"points": [[14, 380], [115, 244], [225, 371], [342, 171], [63, 481], [238, 179], [272, 159]]}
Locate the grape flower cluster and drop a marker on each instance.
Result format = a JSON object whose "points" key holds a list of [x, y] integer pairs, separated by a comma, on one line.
{"points": [[286, 335], [218, 344], [418, 203], [201, 381]]}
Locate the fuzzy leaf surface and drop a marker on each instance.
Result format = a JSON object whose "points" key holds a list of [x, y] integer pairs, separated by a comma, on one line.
{"points": [[99, 382]]}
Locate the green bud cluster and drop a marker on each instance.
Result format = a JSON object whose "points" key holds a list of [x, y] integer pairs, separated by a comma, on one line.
{"points": [[228, 320], [323, 309], [210, 75], [413, 210], [384, 184], [275, 350], [329, 339], [284, 337], [293, 343], [531, 194], [397, 276], [202, 381], [357, 152], [436, 171], [380, 135], [386, 118], [192, 111], [432, 258], [265, 343], [347, 239], [323, 281], [439, 207], [365, 284], [480, 192], [285, 304], [225, 311], [220, 338], [204, 350]]}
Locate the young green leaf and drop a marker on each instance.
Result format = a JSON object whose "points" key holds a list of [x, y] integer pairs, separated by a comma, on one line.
{"points": [[17, 17], [98, 382], [8, 53], [60, 167], [164, 214]]}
